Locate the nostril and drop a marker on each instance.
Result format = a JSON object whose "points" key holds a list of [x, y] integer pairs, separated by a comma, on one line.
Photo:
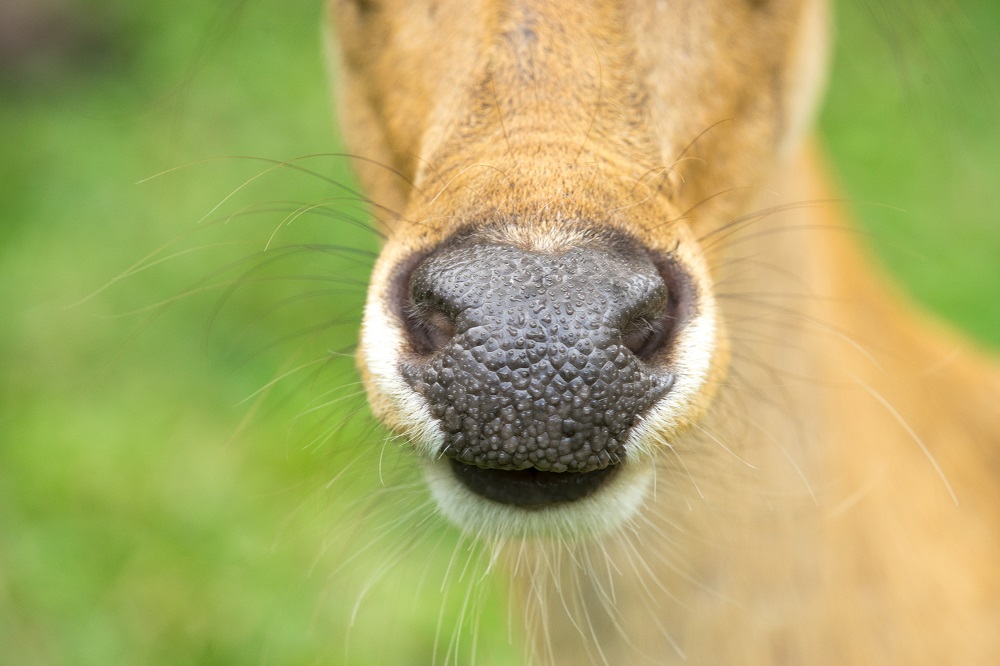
{"points": [[428, 322], [428, 327], [653, 327], [644, 336]]}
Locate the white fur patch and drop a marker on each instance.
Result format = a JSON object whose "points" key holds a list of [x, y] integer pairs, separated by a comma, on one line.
{"points": [[383, 341], [692, 354]]}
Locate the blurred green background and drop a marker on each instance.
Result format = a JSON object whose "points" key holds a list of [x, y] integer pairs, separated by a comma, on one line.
{"points": [[162, 500]]}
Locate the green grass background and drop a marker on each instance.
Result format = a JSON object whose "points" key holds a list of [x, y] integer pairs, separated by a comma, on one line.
{"points": [[157, 506]]}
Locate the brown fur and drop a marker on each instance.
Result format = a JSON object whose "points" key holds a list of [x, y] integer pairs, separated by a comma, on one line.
{"points": [[834, 494]]}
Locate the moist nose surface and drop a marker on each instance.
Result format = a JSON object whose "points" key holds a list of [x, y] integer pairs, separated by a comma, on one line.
{"points": [[532, 371]]}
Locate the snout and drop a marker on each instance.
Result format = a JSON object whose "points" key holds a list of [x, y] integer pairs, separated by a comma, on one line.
{"points": [[537, 366]]}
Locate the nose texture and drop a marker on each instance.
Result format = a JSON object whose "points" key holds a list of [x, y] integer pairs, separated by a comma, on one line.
{"points": [[532, 368]]}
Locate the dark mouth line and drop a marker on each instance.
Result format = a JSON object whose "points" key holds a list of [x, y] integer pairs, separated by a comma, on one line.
{"points": [[530, 488]]}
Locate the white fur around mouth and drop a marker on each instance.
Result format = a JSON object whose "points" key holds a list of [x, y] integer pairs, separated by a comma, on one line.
{"points": [[607, 509]]}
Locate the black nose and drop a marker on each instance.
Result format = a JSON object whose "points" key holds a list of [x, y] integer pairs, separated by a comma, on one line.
{"points": [[538, 360]]}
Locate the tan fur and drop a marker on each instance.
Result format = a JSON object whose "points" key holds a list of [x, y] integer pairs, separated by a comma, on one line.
{"points": [[832, 494]]}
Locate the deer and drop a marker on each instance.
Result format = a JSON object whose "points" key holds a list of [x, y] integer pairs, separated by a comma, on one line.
{"points": [[627, 328]]}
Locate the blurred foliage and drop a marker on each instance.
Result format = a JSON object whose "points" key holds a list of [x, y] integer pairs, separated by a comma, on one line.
{"points": [[911, 123], [188, 472]]}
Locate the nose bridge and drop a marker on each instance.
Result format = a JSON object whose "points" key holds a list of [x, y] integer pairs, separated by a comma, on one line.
{"points": [[563, 62], [556, 102], [536, 373]]}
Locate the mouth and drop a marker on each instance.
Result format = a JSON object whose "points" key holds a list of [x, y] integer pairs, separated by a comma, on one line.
{"points": [[530, 488], [532, 503]]}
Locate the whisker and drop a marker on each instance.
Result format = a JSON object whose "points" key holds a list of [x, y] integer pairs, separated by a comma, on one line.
{"points": [[912, 433]]}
